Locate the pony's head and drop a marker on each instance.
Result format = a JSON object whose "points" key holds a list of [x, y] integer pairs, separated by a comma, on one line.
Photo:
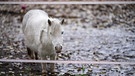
{"points": [[54, 33]]}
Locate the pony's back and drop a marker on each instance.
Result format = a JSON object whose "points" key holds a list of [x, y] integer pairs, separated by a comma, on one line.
{"points": [[33, 22]]}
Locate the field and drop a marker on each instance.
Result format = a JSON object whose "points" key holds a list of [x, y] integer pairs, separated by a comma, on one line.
{"points": [[91, 32]]}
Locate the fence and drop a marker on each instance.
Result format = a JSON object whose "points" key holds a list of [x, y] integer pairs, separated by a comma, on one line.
{"points": [[71, 2], [67, 62]]}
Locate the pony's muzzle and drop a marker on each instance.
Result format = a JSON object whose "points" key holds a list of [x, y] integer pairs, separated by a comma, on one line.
{"points": [[58, 48]]}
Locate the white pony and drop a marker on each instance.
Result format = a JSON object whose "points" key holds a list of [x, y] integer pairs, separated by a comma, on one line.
{"points": [[43, 36]]}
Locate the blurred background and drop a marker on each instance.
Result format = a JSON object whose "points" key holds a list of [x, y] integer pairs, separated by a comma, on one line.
{"points": [[91, 32]]}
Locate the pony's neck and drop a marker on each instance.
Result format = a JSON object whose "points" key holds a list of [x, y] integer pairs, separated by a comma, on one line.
{"points": [[47, 39]]}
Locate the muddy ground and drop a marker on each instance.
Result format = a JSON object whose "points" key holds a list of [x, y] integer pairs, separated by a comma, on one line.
{"points": [[91, 32]]}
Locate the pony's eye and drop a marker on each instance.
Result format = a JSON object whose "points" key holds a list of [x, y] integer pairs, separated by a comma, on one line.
{"points": [[62, 32], [51, 33]]}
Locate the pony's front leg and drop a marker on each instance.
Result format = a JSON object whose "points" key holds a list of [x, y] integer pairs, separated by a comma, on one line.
{"points": [[44, 67], [52, 65]]}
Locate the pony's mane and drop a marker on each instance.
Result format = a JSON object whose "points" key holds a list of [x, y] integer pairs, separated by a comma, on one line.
{"points": [[55, 20]]}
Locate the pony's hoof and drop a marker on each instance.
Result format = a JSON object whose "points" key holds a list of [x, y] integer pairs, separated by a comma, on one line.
{"points": [[44, 72]]}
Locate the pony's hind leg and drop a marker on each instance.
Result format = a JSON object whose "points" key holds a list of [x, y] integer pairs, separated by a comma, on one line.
{"points": [[36, 55], [30, 53]]}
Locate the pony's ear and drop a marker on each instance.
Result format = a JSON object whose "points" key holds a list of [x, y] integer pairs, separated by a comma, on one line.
{"points": [[41, 35], [49, 22], [62, 21]]}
